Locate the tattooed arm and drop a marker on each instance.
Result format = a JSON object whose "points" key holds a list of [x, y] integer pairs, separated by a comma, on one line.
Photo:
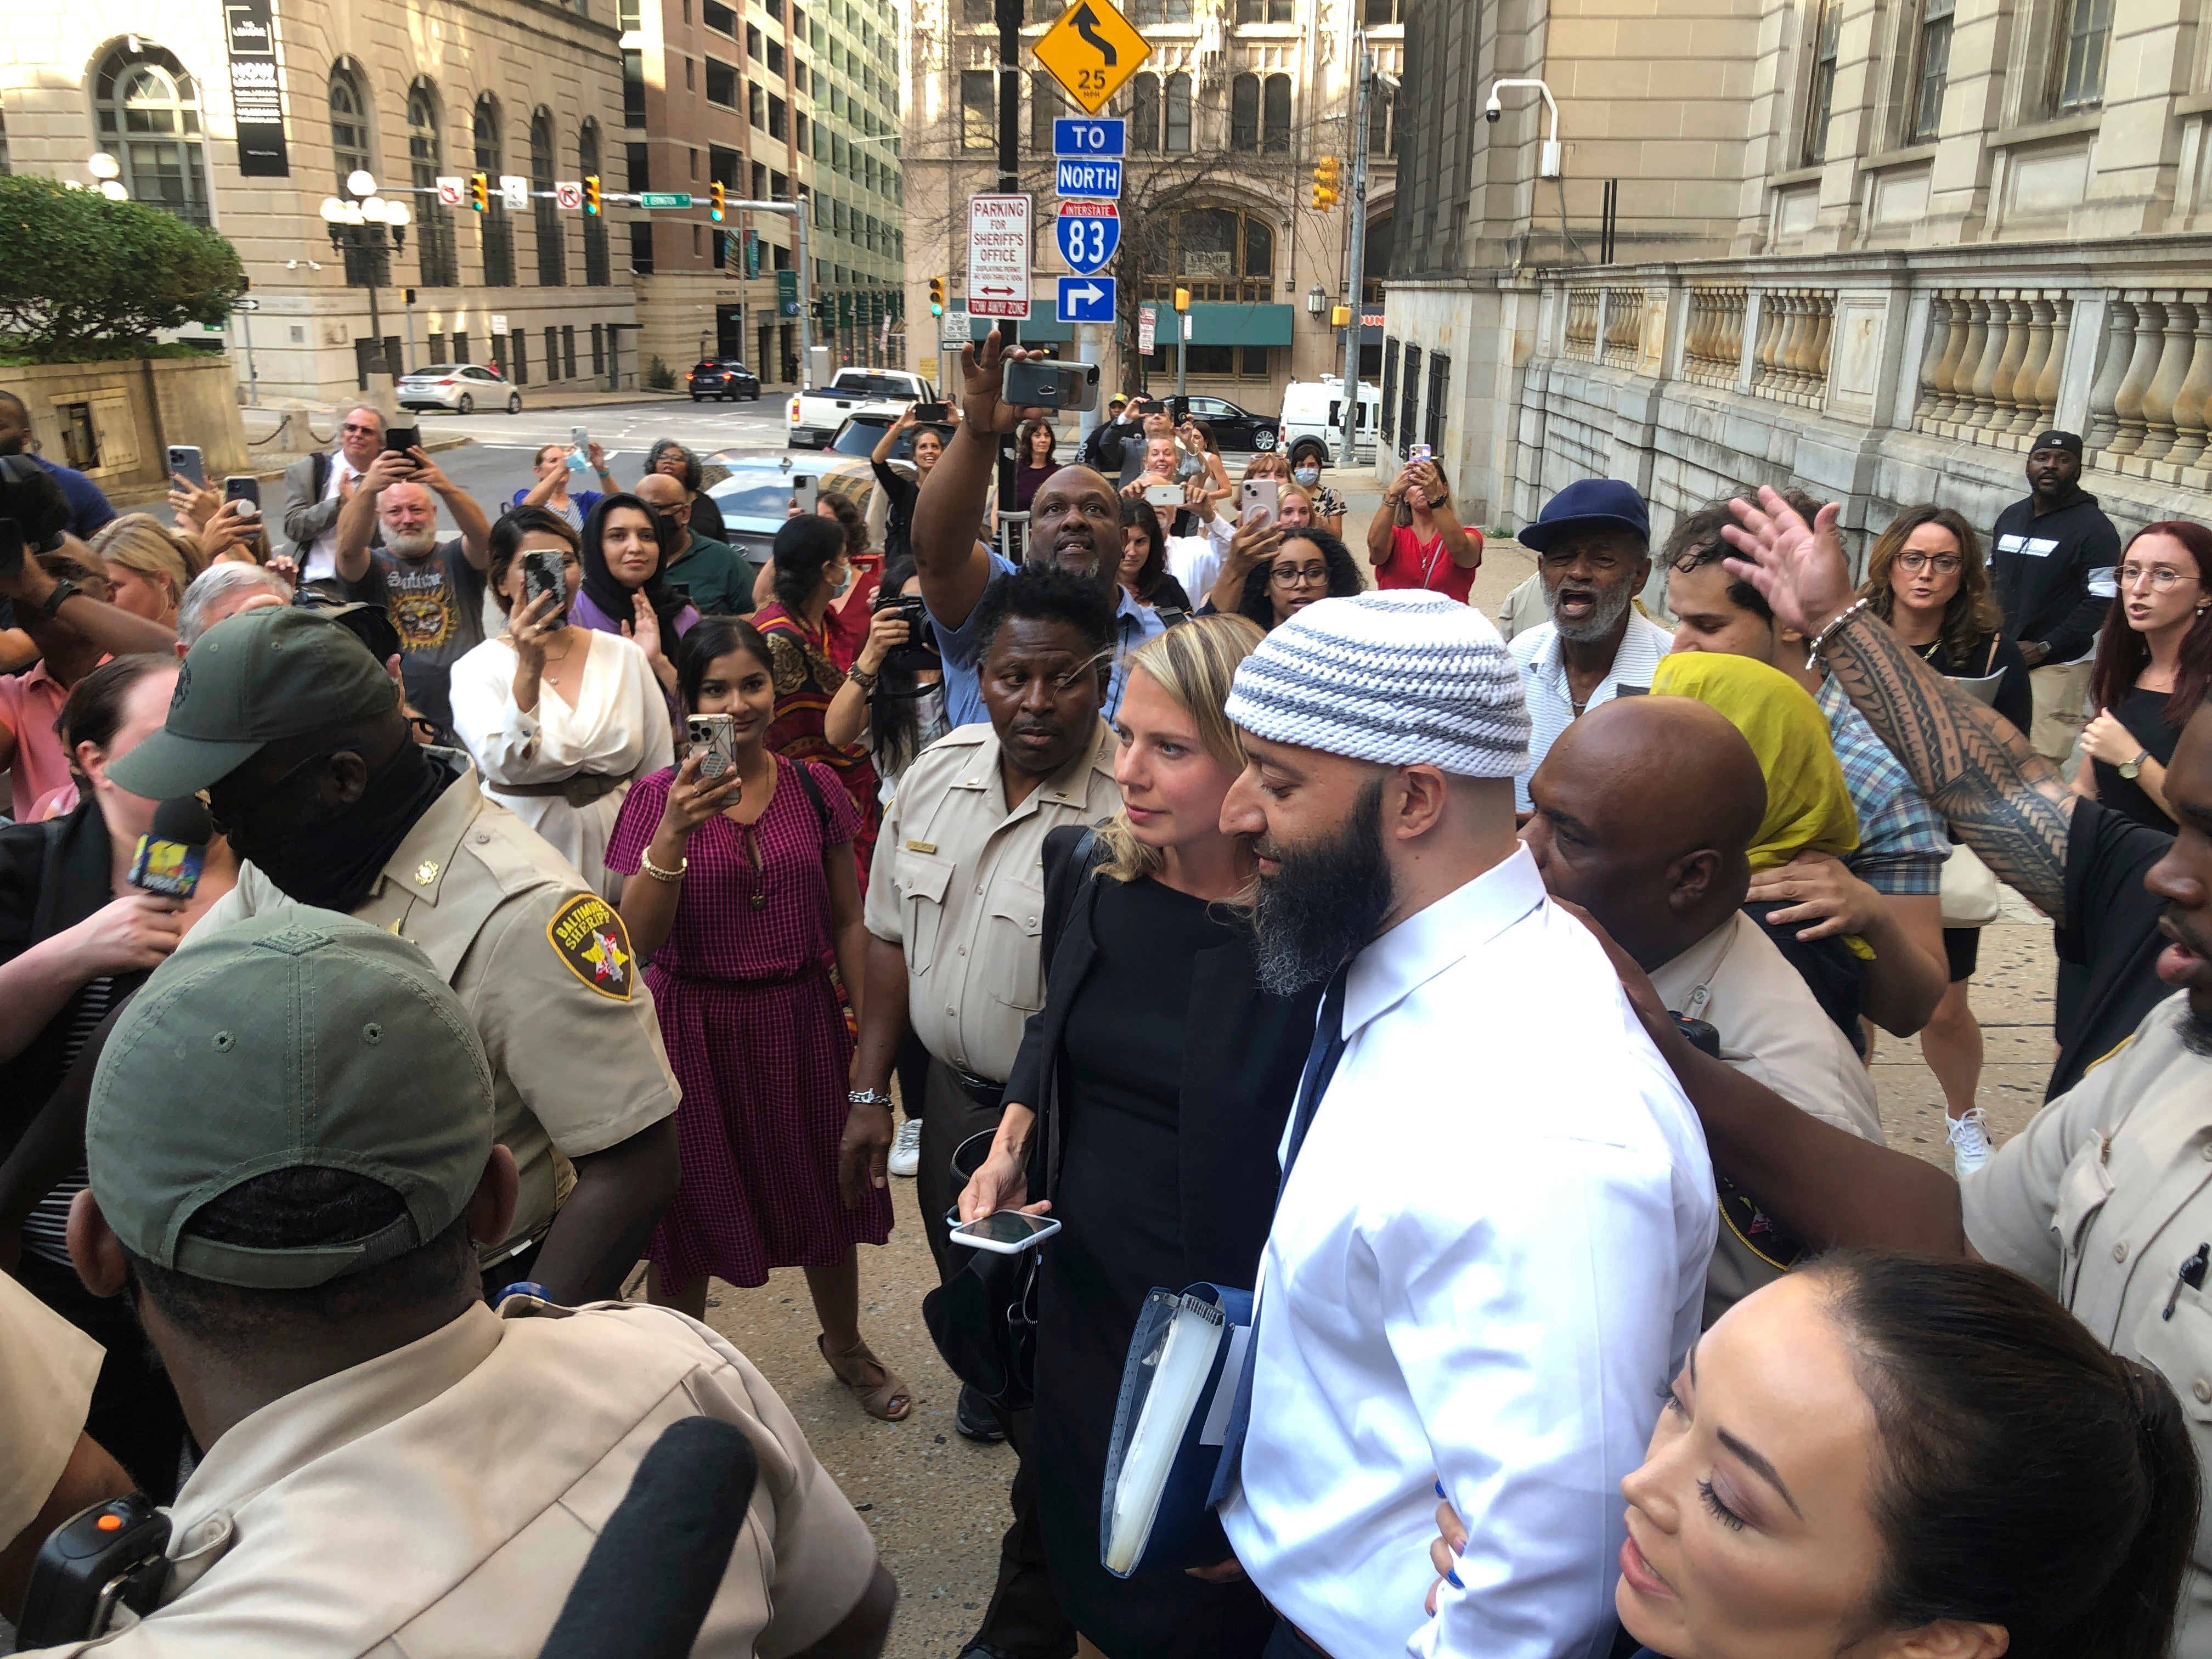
{"points": [[2000, 797]]}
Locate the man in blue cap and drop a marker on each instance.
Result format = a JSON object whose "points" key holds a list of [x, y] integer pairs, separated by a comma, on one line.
{"points": [[1593, 547]]}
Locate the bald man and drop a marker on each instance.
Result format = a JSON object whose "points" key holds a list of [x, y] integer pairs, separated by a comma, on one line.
{"points": [[433, 591], [718, 581], [1646, 810]]}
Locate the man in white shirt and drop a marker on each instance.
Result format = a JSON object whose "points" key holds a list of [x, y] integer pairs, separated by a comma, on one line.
{"points": [[1593, 547], [316, 487], [1490, 1248]]}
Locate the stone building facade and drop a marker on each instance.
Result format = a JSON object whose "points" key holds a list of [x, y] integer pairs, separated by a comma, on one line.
{"points": [[1871, 248]]}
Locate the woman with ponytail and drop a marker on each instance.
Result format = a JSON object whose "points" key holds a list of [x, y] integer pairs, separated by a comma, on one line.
{"points": [[1894, 1456]]}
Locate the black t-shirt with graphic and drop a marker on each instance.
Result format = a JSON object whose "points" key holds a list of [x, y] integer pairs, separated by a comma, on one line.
{"points": [[436, 605]]}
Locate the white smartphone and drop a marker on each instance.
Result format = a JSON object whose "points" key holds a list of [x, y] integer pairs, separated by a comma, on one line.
{"points": [[713, 738], [1005, 1232], [803, 491], [1164, 494], [1266, 494]]}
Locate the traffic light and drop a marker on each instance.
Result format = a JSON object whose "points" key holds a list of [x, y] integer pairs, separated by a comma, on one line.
{"points": [[480, 192], [1340, 316], [591, 194], [1182, 299], [936, 296], [717, 197], [1328, 183]]}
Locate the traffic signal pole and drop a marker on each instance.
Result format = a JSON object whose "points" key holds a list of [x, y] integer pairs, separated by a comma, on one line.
{"points": [[1008, 14], [1356, 278]]}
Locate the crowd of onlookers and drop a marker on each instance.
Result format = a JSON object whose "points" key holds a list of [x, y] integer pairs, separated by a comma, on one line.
{"points": [[1480, 1014]]}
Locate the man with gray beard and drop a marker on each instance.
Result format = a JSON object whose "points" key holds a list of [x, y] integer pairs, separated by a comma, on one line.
{"points": [[432, 590], [1593, 547]]}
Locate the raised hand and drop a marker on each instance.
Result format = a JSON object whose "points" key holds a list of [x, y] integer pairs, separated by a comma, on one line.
{"points": [[1798, 567], [983, 371]]}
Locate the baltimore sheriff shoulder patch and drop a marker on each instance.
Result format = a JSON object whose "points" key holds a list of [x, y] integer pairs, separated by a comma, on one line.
{"points": [[587, 934]]}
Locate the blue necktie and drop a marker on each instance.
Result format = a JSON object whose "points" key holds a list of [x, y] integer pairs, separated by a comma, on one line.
{"points": [[1320, 1066]]}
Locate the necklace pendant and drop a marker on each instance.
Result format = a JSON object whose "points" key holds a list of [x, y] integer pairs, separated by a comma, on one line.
{"points": [[760, 900]]}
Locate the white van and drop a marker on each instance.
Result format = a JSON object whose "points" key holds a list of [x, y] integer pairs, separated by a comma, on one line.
{"points": [[1313, 420]]}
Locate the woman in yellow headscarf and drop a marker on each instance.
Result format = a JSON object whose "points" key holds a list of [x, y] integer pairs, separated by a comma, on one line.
{"points": [[1809, 809]]}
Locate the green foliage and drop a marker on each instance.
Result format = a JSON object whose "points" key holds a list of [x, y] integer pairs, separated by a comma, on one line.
{"points": [[658, 375], [83, 277]]}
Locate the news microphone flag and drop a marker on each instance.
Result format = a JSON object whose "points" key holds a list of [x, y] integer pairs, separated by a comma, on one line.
{"points": [[170, 854]]}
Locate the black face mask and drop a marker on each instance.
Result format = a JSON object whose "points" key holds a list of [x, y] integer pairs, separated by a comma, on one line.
{"points": [[334, 862]]}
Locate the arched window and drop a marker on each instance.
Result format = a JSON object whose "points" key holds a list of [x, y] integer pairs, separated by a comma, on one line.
{"points": [[1275, 116], [1177, 138], [1245, 113], [149, 112], [498, 234], [1218, 253], [1144, 112], [349, 154], [552, 252], [597, 271], [434, 220]]}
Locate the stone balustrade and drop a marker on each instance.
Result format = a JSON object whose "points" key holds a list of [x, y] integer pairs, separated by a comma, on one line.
{"points": [[1796, 329], [1712, 349], [1624, 325], [1579, 338], [1990, 371]]}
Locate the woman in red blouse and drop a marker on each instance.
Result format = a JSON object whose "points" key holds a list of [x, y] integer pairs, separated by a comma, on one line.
{"points": [[1415, 541]]}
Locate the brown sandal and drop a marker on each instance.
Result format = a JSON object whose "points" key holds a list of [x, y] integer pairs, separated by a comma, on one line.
{"points": [[876, 1385]]}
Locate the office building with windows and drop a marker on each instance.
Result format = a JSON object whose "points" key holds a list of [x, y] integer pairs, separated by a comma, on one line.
{"points": [[1237, 102], [1874, 249], [407, 91], [772, 99]]}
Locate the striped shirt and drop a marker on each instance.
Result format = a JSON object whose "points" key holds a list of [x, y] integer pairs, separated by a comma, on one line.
{"points": [[45, 1229], [1544, 677]]}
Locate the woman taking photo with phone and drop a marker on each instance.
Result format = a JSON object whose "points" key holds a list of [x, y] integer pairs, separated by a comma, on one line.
{"points": [[1309, 564], [1158, 1071], [2153, 661], [624, 589], [1415, 541], [552, 491], [741, 888], [901, 492], [559, 719]]}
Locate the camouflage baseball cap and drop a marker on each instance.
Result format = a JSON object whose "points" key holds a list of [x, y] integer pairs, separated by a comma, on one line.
{"points": [[299, 1038], [274, 671]]}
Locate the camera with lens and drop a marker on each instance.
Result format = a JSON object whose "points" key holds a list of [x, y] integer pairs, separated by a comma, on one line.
{"points": [[33, 512], [920, 652]]}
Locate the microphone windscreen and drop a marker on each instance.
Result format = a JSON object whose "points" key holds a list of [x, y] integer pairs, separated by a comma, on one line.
{"points": [[646, 1585], [170, 852], [186, 819]]}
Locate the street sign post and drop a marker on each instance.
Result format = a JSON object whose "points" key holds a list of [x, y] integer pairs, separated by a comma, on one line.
{"points": [[1091, 51], [955, 331], [665, 198], [569, 193], [1086, 298], [514, 193], [1100, 136], [1148, 323], [998, 256], [1088, 233], [1099, 180]]}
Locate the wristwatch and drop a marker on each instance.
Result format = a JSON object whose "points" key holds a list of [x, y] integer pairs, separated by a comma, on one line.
{"points": [[2132, 768], [63, 590]]}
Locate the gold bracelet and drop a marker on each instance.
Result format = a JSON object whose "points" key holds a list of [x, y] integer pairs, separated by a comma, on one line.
{"points": [[672, 876]]}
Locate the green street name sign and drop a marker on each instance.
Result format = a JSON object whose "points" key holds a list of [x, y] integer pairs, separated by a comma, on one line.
{"points": [[665, 198]]}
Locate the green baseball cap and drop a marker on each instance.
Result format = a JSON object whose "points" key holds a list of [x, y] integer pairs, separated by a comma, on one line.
{"points": [[274, 671], [300, 1038]]}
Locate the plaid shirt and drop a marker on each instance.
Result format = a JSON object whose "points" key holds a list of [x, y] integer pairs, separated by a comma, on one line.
{"points": [[1902, 841]]}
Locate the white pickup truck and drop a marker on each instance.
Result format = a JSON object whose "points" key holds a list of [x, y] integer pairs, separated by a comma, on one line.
{"points": [[815, 416]]}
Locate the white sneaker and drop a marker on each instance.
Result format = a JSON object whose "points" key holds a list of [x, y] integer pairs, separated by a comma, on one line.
{"points": [[1970, 1142], [906, 1150]]}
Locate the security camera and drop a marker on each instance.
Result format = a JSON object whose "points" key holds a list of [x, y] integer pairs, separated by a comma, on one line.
{"points": [[1492, 111]]}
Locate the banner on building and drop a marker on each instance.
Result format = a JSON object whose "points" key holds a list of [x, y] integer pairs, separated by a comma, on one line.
{"points": [[256, 102]]}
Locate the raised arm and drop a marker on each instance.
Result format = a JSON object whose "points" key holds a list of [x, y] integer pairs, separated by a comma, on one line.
{"points": [[954, 567], [468, 517], [1385, 520], [357, 518], [111, 628], [2000, 797]]}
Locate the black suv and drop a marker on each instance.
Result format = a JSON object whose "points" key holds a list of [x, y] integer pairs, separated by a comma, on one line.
{"points": [[724, 378]]}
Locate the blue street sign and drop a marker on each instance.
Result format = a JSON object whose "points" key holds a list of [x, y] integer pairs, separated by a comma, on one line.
{"points": [[1089, 234], [1100, 180], [1089, 138], [1086, 298]]}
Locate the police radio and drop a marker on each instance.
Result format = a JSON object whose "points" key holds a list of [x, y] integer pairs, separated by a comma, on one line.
{"points": [[113, 1555], [170, 854]]}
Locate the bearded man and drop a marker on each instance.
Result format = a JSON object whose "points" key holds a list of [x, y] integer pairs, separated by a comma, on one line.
{"points": [[1497, 1206], [433, 591]]}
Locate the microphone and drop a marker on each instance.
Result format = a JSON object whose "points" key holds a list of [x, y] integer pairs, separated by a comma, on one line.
{"points": [[658, 1564], [170, 854]]}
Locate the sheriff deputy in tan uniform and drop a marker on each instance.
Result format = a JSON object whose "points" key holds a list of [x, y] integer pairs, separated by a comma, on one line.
{"points": [[293, 730], [392, 1468]]}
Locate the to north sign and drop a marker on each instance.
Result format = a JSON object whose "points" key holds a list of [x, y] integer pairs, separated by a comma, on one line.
{"points": [[1099, 179], [1104, 136]]}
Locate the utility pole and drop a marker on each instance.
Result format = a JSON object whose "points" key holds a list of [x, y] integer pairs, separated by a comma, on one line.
{"points": [[1008, 14], [1356, 277], [805, 303]]}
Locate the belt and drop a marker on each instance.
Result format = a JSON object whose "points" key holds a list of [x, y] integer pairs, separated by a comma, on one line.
{"points": [[981, 1091], [579, 789]]}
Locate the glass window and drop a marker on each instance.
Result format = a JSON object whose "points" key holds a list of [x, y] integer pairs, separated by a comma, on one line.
{"points": [[721, 83], [498, 234], [641, 246], [719, 18], [633, 89], [1821, 93], [148, 111], [1410, 405], [1432, 434], [1045, 107], [1934, 50], [552, 249], [978, 120], [1275, 118], [434, 221], [350, 153], [1177, 139], [2081, 66], [1144, 112], [1390, 391], [1379, 13], [1245, 113]]}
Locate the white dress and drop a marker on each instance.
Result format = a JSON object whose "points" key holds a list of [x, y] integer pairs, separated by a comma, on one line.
{"points": [[619, 728]]}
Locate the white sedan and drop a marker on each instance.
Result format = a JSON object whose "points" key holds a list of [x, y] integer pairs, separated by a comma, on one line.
{"points": [[457, 387]]}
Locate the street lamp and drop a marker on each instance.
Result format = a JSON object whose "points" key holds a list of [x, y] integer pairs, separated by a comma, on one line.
{"points": [[103, 165], [1317, 302], [358, 227]]}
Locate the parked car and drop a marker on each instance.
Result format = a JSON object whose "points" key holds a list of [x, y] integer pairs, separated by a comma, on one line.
{"points": [[457, 387], [1235, 428], [1313, 421], [817, 413], [722, 378], [756, 496]]}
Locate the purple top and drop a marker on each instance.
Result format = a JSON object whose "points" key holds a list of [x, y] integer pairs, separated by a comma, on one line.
{"points": [[585, 614]]}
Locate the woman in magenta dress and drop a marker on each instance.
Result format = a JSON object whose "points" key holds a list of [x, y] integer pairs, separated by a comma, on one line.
{"points": [[742, 890], [813, 565]]}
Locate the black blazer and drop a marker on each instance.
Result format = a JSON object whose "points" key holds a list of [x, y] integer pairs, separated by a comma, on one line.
{"points": [[1240, 1074]]}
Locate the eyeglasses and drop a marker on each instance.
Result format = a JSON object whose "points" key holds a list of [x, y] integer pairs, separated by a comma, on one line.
{"points": [[1300, 575], [2162, 578], [354, 429], [1945, 564]]}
